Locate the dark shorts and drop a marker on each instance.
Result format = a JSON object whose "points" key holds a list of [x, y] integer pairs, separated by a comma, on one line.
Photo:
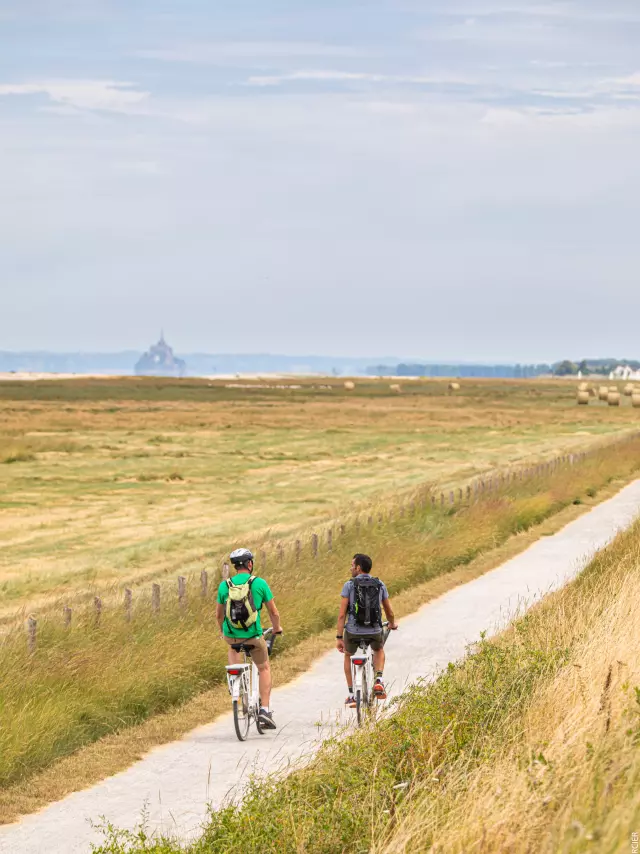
{"points": [[352, 642], [259, 652]]}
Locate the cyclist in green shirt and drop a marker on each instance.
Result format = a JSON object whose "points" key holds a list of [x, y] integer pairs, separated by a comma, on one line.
{"points": [[247, 627]]}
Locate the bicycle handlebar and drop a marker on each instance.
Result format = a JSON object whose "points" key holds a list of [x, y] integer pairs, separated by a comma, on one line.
{"points": [[270, 636]]}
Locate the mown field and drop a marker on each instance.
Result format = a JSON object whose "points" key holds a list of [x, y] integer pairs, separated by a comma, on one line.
{"points": [[108, 481], [529, 745], [113, 482]]}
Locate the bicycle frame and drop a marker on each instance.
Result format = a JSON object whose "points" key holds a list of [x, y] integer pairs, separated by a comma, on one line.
{"points": [[363, 676], [244, 687]]}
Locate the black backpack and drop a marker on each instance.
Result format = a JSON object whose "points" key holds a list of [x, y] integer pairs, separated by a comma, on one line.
{"points": [[366, 602]]}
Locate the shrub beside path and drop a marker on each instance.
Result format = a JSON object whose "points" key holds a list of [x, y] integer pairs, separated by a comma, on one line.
{"points": [[174, 783]]}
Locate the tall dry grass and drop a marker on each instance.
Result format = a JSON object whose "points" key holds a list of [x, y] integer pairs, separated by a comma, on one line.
{"points": [[84, 682]]}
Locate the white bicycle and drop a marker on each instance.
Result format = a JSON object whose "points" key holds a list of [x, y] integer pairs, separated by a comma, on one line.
{"points": [[363, 675], [244, 689]]}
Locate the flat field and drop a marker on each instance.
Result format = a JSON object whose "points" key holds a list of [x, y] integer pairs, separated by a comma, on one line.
{"points": [[116, 480]]}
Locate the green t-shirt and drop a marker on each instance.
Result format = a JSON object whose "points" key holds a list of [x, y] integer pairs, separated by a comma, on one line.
{"points": [[261, 594]]}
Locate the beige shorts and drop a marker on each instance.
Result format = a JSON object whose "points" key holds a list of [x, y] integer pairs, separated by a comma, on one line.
{"points": [[258, 648]]}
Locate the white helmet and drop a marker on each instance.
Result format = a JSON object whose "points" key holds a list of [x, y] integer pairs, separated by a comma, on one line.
{"points": [[239, 557]]}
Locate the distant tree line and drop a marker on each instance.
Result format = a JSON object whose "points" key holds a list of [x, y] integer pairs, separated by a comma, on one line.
{"points": [[567, 368], [441, 370]]}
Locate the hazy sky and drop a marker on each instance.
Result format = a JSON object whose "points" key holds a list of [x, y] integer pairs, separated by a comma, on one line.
{"points": [[445, 179]]}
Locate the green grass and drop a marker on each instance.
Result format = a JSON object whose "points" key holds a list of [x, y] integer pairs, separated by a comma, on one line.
{"points": [[89, 681]]}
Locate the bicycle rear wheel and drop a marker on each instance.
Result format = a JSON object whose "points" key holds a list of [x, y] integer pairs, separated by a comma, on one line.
{"points": [[241, 717]]}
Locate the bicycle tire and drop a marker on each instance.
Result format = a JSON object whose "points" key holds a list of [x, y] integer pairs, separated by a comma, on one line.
{"points": [[241, 719]]}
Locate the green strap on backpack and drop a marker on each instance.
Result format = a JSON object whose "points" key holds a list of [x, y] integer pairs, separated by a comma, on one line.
{"points": [[241, 611]]}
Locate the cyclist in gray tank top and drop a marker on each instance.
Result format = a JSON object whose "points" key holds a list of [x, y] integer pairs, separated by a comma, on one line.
{"points": [[350, 633]]}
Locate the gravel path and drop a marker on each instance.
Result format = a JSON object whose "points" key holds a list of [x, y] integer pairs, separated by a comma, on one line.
{"points": [[175, 782]]}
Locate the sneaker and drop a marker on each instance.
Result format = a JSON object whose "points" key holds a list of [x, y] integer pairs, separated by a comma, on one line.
{"points": [[266, 719], [350, 702], [379, 690]]}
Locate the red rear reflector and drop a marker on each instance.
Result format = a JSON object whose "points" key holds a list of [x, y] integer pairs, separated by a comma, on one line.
{"points": [[237, 672], [358, 660]]}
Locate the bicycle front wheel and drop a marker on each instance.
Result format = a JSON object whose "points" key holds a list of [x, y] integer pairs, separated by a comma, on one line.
{"points": [[362, 699], [241, 717]]}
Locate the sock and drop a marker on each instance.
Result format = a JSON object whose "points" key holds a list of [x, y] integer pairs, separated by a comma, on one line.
{"points": [[378, 674], [265, 708]]}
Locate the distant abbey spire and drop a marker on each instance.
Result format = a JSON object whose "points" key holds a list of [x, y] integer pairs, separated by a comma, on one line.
{"points": [[159, 361]]}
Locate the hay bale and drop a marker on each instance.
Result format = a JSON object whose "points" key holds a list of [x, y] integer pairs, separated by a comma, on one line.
{"points": [[613, 388], [628, 390], [454, 386], [583, 398], [635, 400], [349, 385], [395, 388], [603, 392], [613, 398], [583, 387]]}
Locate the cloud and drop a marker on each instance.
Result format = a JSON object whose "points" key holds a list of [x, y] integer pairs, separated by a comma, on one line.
{"points": [[223, 53], [331, 76], [83, 94]]}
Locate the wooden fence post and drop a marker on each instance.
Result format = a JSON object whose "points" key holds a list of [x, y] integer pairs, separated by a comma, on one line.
{"points": [[280, 552], [67, 615], [97, 604], [468, 492], [330, 540], [155, 598], [314, 545], [452, 497], [225, 570], [204, 583], [460, 494], [433, 502], [182, 591], [32, 626], [370, 521], [128, 598], [442, 499]]}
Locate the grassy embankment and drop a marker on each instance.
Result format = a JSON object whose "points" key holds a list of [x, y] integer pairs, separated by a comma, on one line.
{"points": [[118, 481], [529, 745], [85, 682]]}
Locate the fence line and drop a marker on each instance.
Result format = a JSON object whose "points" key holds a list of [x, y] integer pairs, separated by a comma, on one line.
{"points": [[474, 490]]}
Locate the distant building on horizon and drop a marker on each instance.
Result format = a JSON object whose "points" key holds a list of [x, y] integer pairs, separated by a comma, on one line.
{"points": [[159, 361]]}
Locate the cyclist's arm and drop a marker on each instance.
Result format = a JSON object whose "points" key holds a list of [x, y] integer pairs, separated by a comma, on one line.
{"points": [[275, 616], [342, 616], [386, 604], [220, 615]]}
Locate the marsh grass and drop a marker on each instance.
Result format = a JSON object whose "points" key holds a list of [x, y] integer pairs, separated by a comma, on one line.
{"points": [[529, 745], [93, 480], [94, 679]]}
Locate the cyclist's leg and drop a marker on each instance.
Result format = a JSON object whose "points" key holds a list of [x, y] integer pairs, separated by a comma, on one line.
{"points": [[260, 657], [350, 648], [377, 647], [234, 657], [379, 659]]}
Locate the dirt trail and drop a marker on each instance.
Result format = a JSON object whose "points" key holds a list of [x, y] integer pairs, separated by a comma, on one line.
{"points": [[177, 781]]}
